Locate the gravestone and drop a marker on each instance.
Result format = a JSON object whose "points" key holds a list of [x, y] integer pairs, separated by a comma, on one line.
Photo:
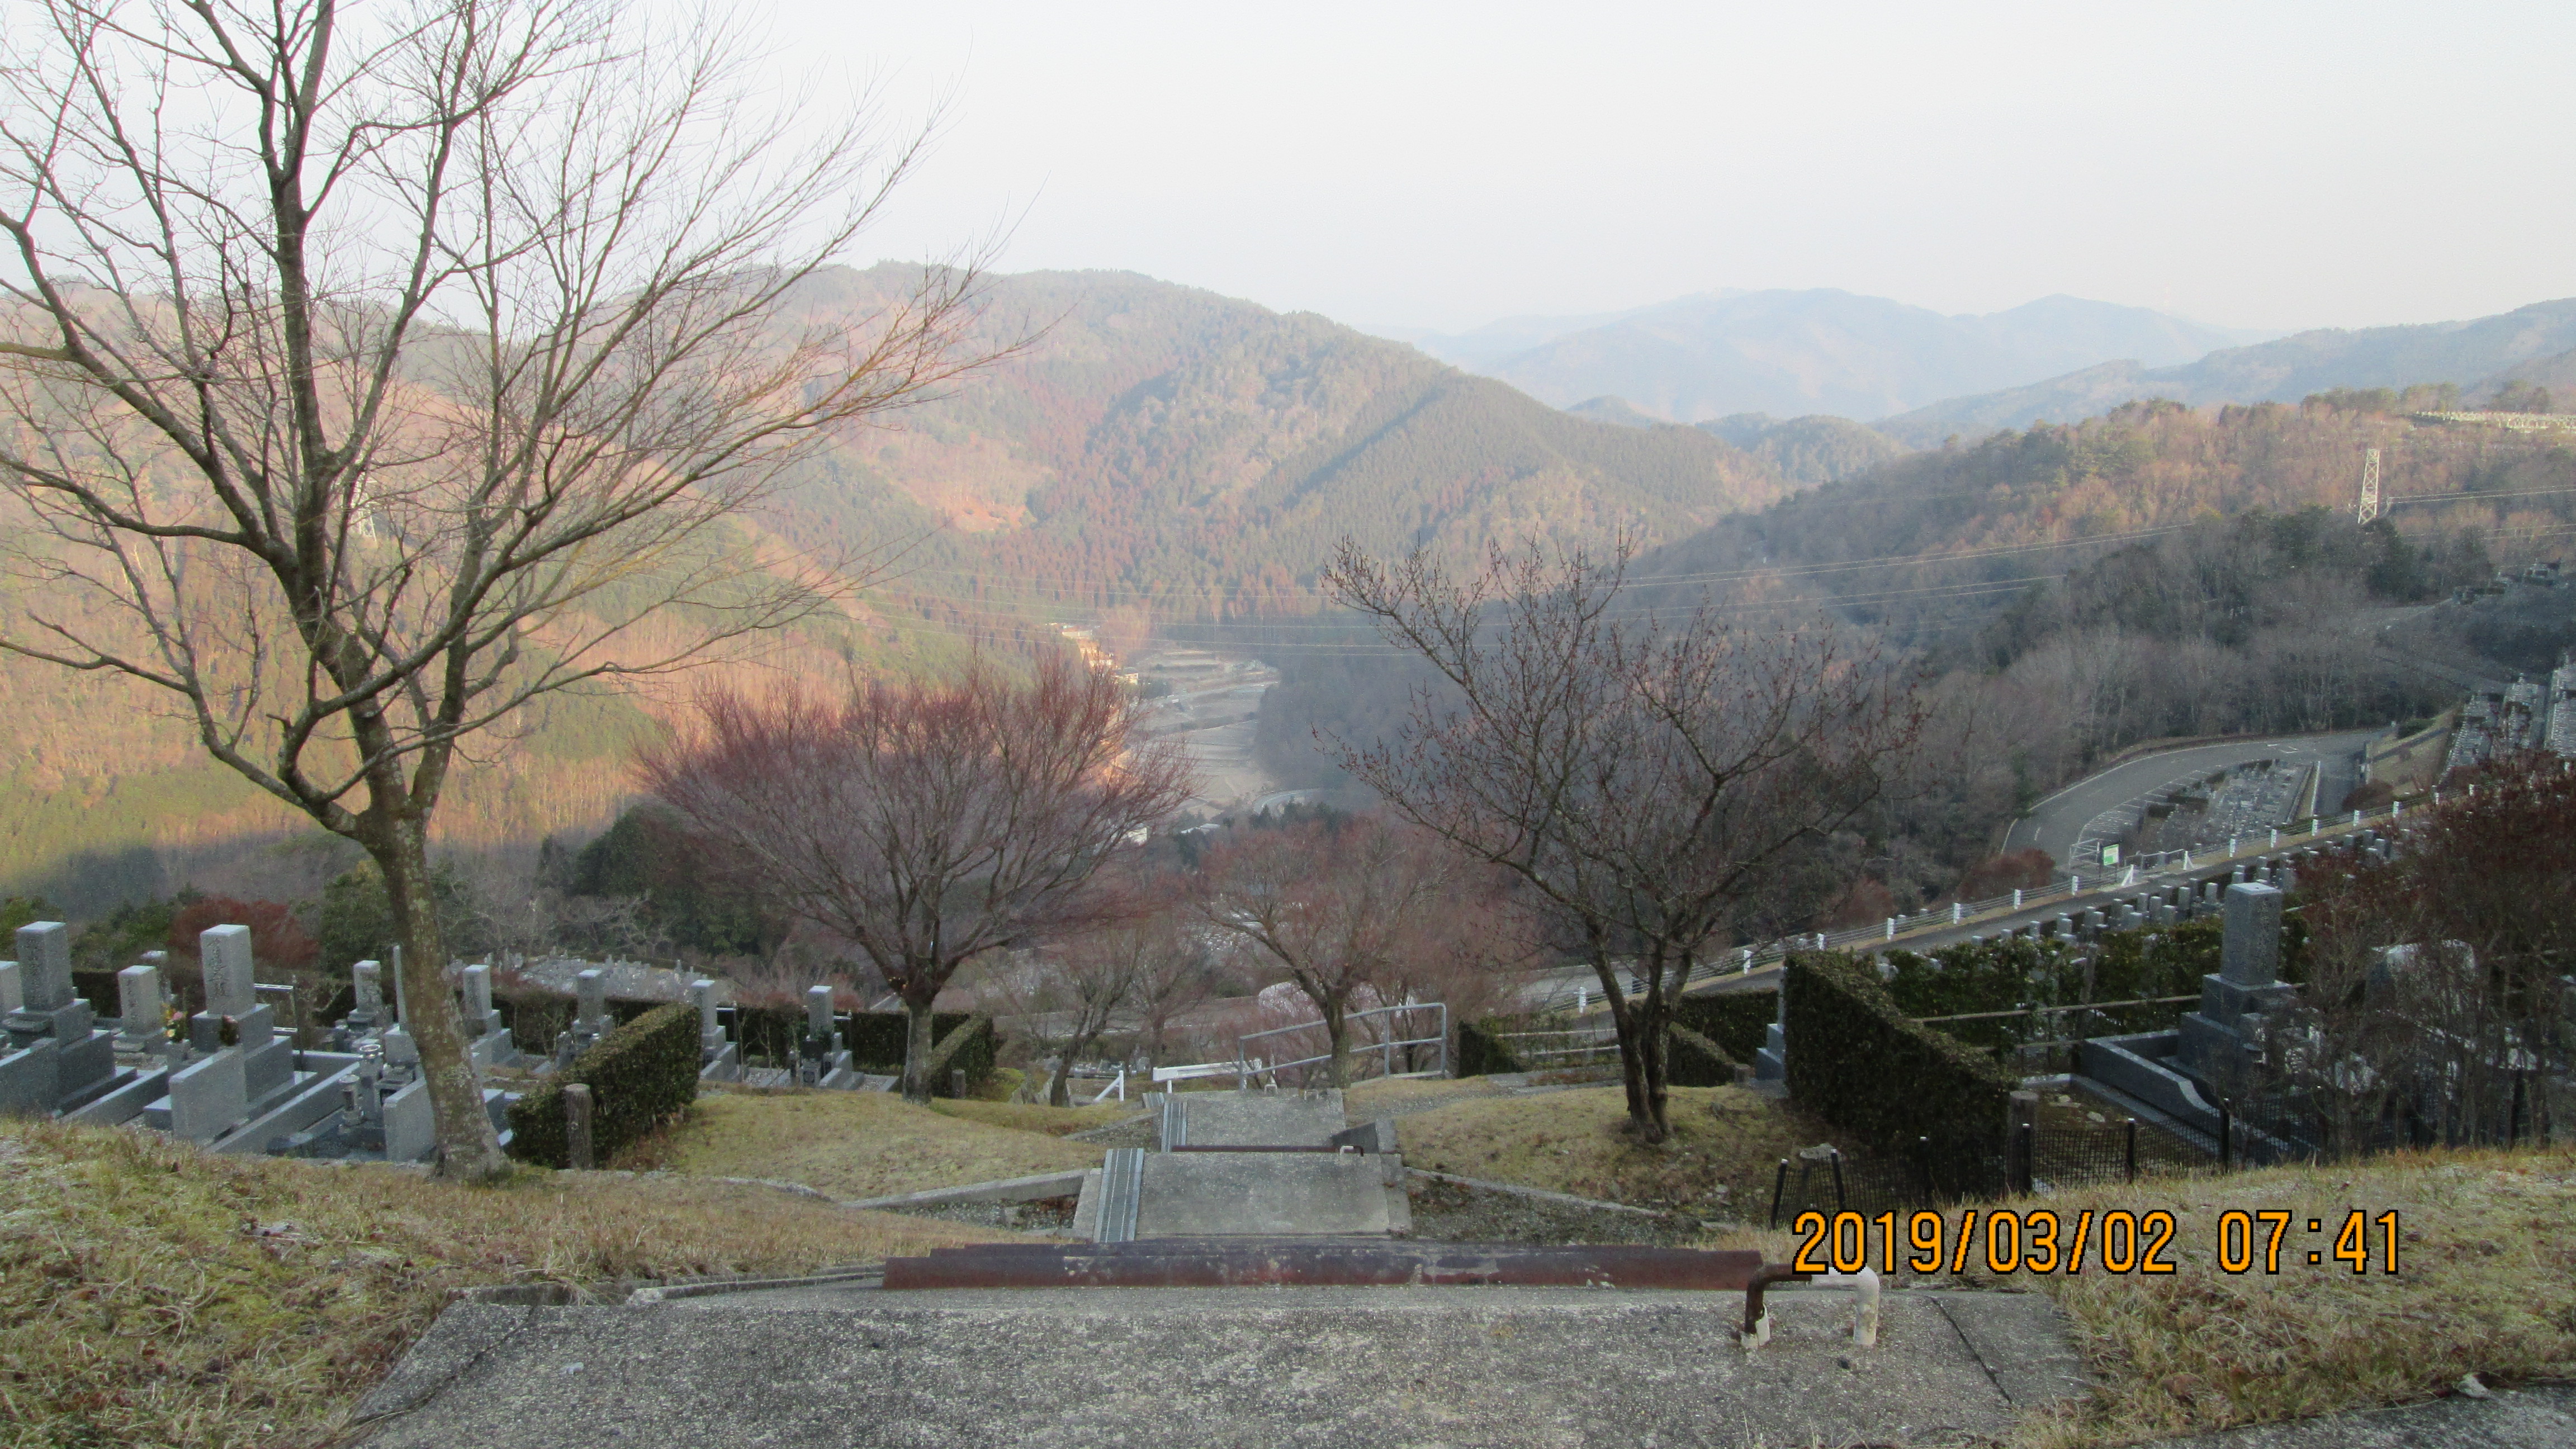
{"points": [[2220, 1041], [821, 1058], [480, 1018], [1771, 1059], [142, 1008], [13, 991], [54, 1055], [367, 987], [590, 1019], [718, 1060]]}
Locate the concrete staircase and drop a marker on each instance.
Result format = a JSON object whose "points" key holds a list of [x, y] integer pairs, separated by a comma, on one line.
{"points": [[1238, 1164]]}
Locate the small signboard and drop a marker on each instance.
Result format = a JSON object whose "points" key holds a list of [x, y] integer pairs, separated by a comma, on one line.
{"points": [[2110, 855]]}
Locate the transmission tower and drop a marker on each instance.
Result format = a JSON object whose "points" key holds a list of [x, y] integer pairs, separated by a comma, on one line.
{"points": [[2370, 485]]}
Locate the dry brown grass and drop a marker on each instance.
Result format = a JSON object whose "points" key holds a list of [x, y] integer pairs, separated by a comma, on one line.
{"points": [[154, 1295], [1388, 1096], [1034, 1117], [857, 1144], [2486, 1284], [1718, 1162]]}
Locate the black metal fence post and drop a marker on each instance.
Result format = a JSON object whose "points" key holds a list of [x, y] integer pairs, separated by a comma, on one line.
{"points": [[2132, 1151], [2225, 1122], [1779, 1185], [1923, 1168], [2026, 1145]]}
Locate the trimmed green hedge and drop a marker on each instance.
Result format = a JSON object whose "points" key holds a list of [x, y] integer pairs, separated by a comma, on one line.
{"points": [[1480, 1051], [1738, 1021], [640, 1075], [1688, 1064], [1856, 1060], [876, 1041]]}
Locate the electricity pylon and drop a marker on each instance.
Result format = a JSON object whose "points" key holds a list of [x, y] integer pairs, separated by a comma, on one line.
{"points": [[2370, 485]]}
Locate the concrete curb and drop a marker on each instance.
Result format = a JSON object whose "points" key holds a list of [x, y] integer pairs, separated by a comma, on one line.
{"points": [[1009, 1189]]}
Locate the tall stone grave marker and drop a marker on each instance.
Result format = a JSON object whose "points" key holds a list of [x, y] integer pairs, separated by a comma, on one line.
{"points": [[141, 1006], [54, 1054], [211, 1097], [2219, 1041]]}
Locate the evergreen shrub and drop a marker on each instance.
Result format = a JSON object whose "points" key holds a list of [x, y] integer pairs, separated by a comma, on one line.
{"points": [[1858, 1060], [640, 1075]]}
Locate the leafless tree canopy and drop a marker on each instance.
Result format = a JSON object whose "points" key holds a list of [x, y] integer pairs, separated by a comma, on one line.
{"points": [[370, 373], [1648, 778], [2438, 1004], [925, 823], [1345, 909]]}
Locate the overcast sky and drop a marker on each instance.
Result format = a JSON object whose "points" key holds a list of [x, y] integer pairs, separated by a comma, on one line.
{"points": [[1442, 165]]}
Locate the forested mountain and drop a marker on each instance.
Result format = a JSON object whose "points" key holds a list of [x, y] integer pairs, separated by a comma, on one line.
{"points": [[2475, 355], [1154, 453], [1822, 351], [2068, 590], [1817, 449]]}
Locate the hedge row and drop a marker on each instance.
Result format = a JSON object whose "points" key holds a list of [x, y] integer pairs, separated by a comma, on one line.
{"points": [[1738, 1021], [640, 1075], [1858, 1060], [876, 1041], [1481, 1052]]}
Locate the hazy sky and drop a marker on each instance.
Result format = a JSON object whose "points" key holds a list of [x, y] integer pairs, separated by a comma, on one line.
{"points": [[1440, 165]]}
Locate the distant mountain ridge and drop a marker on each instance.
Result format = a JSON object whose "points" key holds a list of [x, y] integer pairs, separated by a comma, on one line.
{"points": [[2528, 342], [1797, 353]]}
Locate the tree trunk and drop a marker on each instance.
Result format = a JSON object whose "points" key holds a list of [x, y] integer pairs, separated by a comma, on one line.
{"points": [[1338, 1030], [1058, 1093], [1640, 1024], [469, 1149], [917, 1051]]}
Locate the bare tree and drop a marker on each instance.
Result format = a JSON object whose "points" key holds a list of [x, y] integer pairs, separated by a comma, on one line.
{"points": [[1069, 996], [1649, 780], [1340, 906], [2436, 1002], [374, 374], [925, 823]]}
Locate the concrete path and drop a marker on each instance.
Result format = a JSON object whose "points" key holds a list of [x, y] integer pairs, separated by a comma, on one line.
{"points": [[842, 1366], [1301, 1194], [1251, 1119]]}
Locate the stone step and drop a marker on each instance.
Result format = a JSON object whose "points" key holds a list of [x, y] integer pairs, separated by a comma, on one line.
{"points": [[1143, 1194], [1294, 1262]]}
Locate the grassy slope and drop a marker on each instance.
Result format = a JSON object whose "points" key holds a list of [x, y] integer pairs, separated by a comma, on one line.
{"points": [[859, 1144], [1723, 1138], [2486, 1285], [151, 1294]]}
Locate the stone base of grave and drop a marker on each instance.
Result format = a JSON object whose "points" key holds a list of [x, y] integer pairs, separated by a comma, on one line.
{"points": [[836, 1363]]}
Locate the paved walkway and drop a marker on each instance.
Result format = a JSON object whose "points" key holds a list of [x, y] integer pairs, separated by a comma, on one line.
{"points": [[844, 1361], [1563, 1368]]}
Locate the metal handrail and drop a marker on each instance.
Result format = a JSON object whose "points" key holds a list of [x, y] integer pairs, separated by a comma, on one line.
{"points": [[1246, 1067]]}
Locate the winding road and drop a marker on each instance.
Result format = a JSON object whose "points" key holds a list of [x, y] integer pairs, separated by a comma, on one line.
{"points": [[2072, 824]]}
